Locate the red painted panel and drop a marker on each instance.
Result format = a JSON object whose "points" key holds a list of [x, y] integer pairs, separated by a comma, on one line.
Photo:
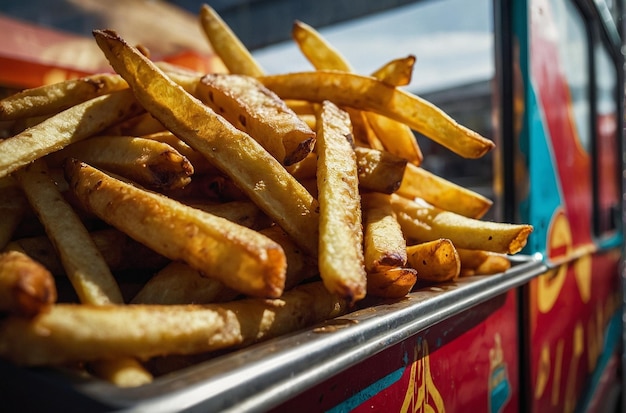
{"points": [[466, 363], [569, 313]]}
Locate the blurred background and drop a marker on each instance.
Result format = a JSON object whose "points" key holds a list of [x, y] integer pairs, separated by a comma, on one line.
{"points": [[453, 41]]}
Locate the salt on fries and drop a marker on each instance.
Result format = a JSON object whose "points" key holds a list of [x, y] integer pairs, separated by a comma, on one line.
{"points": [[250, 205]]}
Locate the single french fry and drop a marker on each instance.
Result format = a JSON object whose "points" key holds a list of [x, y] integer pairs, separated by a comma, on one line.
{"points": [[370, 94], [26, 287], [379, 171], [251, 167], [317, 49], [384, 244], [70, 332], [420, 183], [341, 261], [363, 133], [423, 222], [392, 282], [240, 257], [140, 125], [186, 78], [200, 163], [244, 213], [178, 283], [477, 262], [123, 372], [396, 137], [225, 43], [256, 110], [71, 125], [397, 72], [54, 98], [436, 260], [148, 162], [12, 208]]}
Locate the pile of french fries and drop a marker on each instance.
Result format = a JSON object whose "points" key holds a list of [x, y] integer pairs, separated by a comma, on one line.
{"points": [[254, 204]]}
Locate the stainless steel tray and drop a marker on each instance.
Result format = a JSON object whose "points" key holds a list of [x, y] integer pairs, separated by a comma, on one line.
{"points": [[265, 375]]}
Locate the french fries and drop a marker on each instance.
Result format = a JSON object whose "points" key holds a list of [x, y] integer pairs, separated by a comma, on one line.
{"points": [[397, 72], [255, 171], [66, 127], [241, 258], [226, 209], [392, 282], [26, 287], [178, 283], [317, 50], [254, 109], [435, 261], [226, 44], [379, 171], [477, 262], [419, 183], [384, 243], [341, 259], [70, 332], [120, 252], [340, 209], [148, 162], [423, 222], [379, 131], [91, 277], [370, 94], [54, 98]]}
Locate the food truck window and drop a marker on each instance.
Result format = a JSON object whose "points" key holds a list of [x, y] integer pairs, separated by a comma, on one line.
{"points": [[575, 57], [453, 42], [607, 146]]}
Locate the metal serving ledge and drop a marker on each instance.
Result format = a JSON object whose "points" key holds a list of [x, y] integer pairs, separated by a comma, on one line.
{"points": [[265, 375]]}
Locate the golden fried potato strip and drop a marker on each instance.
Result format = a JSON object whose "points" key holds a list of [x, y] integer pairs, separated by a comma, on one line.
{"points": [[256, 110], [178, 283], [241, 258], [54, 98], [317, 50], [225, 43], [378, 130], [71, 125], [435, 261], [384, 243], [420, 183], [369, 94], [255, 171], [393, 282], [477, 262], [70, 332], [341, 261], [423, 222], [26, 287], [397, 72], [379, 171], [148, 162]]}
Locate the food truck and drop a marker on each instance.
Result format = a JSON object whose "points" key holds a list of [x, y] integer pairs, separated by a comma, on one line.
{"points": [[546, 335]]}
